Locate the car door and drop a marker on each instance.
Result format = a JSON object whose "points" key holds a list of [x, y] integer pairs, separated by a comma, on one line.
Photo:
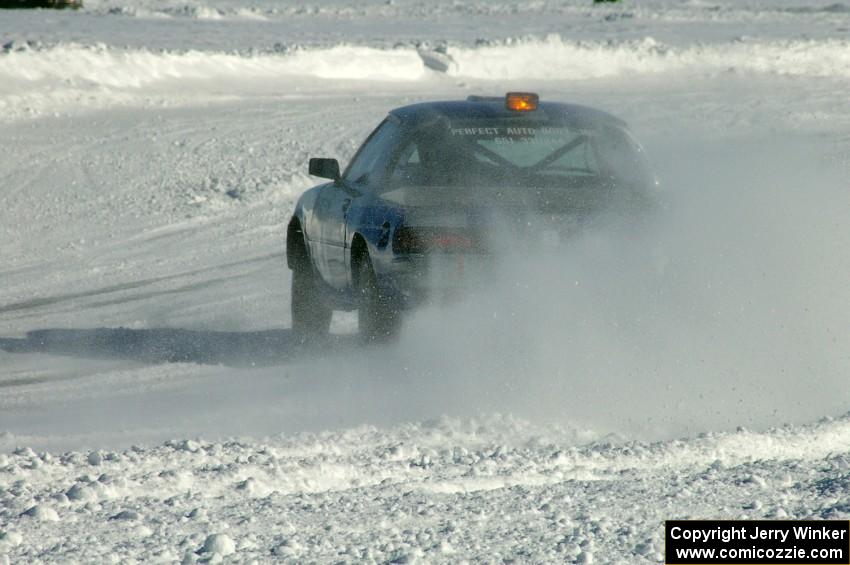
{"points": [[334, 202]]}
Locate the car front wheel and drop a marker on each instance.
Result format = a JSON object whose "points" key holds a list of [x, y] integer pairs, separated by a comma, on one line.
{"points": [[311, 316]]}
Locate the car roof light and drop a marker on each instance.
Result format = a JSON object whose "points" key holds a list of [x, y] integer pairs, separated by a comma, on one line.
{"points": [[521, 101]]}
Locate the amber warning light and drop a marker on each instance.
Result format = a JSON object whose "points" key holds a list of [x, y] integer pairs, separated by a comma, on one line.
{"points": [[522, 101]]}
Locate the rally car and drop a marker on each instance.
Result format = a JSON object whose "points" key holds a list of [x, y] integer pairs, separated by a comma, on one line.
{"points": [[439, 186]]}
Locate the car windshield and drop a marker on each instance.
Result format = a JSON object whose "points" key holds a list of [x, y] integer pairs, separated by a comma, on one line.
{"points": [[521, 154]]}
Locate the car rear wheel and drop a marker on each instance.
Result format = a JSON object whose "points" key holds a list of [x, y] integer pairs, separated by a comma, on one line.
{"points": [[378, 316], [311, 316]]}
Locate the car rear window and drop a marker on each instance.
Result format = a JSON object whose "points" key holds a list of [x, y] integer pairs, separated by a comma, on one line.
{"points": [[516, 153], [523, 147]]}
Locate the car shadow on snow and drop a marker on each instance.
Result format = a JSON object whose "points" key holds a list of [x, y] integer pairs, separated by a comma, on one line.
{"points": [[166, 345]]}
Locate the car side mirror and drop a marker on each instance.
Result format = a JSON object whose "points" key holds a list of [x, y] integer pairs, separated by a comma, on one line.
{"points": [[325, 168]]}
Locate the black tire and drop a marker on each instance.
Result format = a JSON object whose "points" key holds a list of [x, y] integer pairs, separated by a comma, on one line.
{"points": [[311, 316], [378, 316]]}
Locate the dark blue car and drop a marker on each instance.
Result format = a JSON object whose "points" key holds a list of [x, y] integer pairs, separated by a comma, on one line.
{"points": [[438, 187]]}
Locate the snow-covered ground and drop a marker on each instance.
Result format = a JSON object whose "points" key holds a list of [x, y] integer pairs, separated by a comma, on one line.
{"points": [[154, 407]]}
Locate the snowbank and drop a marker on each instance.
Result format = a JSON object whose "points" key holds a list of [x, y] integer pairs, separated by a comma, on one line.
{"points": [[441, 491], [552, 58], [117, 68], [37, 78], [557, 58]]}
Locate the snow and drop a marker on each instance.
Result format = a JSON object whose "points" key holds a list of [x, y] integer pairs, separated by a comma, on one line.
{"points": [[154, 406], [39, 78], [219, 544], [446, 490]]}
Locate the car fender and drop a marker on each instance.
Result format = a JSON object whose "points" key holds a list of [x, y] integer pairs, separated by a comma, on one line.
{"points": [[303, 215], [375, 222]]}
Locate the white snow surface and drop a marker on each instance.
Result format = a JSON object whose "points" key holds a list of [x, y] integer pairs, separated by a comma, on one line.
{"points": [[155, 408]]}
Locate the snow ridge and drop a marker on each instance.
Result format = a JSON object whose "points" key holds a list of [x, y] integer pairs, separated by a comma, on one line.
{"points": [[36, 78], [439, 491], [537, 58]]}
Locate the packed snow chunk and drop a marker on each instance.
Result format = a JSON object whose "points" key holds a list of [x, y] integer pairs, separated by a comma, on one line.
{"points": [[81, 493], [288, 548], [198, 514], [186, 445], [249, 485], [42, 513], [438, 60], [10, 539], [218, 543], [126, 515]]}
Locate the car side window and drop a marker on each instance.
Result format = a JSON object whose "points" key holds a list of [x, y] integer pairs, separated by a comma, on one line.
{"points": [[372, 154], [408, 167], [430, 158]]}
